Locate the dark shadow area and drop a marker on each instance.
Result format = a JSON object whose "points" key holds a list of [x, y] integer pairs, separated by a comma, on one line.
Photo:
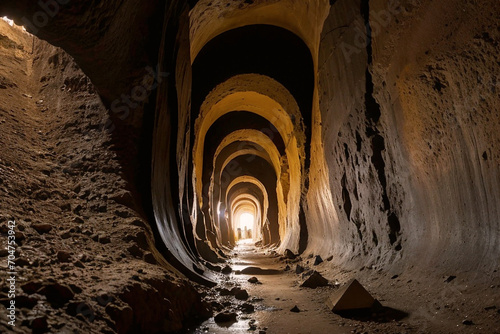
{"points": [[378, 313], [257, 271]]}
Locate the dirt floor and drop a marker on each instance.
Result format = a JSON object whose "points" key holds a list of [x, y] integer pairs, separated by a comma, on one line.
{"points": [[411, 305]]}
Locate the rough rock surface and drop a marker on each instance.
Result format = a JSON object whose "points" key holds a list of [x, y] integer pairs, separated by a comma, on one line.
{"points": [[75, 218], [400, 106]]}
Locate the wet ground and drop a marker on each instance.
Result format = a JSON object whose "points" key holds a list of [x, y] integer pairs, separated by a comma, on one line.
{"points": [[409, 304], [273, 297]]}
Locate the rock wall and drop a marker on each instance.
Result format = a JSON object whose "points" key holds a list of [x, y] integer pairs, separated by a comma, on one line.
{"points": [[85, 257], [409, 134], [401, 114]]}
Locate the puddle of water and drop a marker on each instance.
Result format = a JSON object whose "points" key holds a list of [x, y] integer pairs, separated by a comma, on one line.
{"points": [[211, 327]]}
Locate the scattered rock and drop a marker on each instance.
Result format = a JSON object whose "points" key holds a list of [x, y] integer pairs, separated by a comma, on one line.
{"points": [[299, 269], [85, 258], [65, 235], [289, 254], [227, 270], [240, 294], [22, 262], [78, 264], [150, 258], [318, 260], [65, 207], [57, 294], [25, 301], [450, 278], [247, 308], [295, 309], [124, 198], [135, 251], [314, 281], [19, 236], [395, 276], [329, 258], [123, 316], [259, 271], [225, 317], [287, 268], [467, 322], [123, 213], [225, 292], [104, 239], [42, 228], [39, 325], [81, 308], [253, 280], [31, 287], [63, 256]]}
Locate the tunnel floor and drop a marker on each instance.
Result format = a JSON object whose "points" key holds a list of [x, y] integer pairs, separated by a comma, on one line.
{"points": [[273, 297], [277, 292], [409, 304]]}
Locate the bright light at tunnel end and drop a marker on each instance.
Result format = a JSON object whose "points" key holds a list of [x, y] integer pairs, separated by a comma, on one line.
{"points": [[246, 220]]}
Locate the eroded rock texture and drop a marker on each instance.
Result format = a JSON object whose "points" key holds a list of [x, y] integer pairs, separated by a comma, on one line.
{"points": [[365, 132]]}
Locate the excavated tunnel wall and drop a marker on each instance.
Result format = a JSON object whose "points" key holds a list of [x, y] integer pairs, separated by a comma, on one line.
{"points": [[398, 164]]}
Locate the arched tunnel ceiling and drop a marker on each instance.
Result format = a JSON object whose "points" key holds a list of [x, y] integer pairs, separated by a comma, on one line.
{"points": [[246, 181], [230, 123], [253, 136], [271, 156], [265, 50], [241, 185], [253, 102], [209, 19], [268, 71]]}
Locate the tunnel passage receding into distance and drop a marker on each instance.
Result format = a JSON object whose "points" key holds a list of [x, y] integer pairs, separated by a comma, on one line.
{"points": [[260, 70], [249, 83]]}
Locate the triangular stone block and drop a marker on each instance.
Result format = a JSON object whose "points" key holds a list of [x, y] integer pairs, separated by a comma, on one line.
{"points": [[314, 281], [350, 297]]}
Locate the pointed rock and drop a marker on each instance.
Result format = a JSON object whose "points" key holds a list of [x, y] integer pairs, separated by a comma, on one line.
{"points": [[314, 281], [352, 296], [289, 254], [317, 260]]}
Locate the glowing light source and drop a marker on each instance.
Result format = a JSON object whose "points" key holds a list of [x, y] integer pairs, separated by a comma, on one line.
{"points": [[246, 220]]}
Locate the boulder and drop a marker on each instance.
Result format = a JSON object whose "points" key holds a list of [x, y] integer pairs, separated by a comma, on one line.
{"points": [[225, 317]]}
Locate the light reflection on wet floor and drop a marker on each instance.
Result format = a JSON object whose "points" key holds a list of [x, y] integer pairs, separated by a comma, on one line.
{"points": [[211, 327], [245, 322]]}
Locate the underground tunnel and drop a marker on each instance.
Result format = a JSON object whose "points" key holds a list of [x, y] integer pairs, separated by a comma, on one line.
{"points": [[250, 166]]}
